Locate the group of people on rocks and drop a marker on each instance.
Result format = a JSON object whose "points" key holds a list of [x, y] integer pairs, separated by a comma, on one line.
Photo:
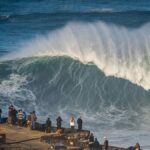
{"points": [[19, 117], [95, 145], [79, 122], [16, 117], [136, 147], [59, 120], [31, 120]]}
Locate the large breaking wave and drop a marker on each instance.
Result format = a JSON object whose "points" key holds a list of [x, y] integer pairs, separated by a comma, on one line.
{"points": [[116, 50], [53, 85], [98, 70]]}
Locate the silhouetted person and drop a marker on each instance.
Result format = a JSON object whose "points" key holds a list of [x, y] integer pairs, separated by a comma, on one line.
{"points": [[96, 145], [59, 120], [33, 120], [14, 116], [48, 125], [105, 143], [91, 141], [24, 119], [131, 148], [79, 122]]}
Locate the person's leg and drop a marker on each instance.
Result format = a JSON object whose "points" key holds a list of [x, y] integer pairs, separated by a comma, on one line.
{"points": [[19, 122], [80, 127], [90, 146], [31, 126], [10, 120], [34, 125]]}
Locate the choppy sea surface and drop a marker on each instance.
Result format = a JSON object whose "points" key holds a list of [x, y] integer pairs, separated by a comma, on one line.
{"points": [[81, 58]]}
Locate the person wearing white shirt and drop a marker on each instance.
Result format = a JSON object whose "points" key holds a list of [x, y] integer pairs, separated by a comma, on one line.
{"points": [[72, 123]]}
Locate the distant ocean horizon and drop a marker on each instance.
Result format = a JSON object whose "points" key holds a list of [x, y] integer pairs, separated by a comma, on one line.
{"points": [[80, 58]]}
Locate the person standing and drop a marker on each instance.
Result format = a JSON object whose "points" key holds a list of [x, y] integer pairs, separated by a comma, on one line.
{"points": [[0, 115], [33, 120], [29, 120], [20, 117], [91, 141], [72, 123], [59, 120], [10, 114], [79, 122], [48, 125], [24, 119], [97, 145], [137, 146], [14, 116], [105, 143]]}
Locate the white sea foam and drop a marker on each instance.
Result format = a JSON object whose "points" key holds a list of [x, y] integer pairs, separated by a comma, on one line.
{"points": [[116, 50], [13, 89]]}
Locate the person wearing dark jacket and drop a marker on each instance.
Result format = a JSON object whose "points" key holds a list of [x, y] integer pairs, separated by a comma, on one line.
{"points": [[79, 122], [48, 125], [131, 148], [59, 120], [97, 145], [24, 119], [105, 143], [91, 141], [14, 116]]}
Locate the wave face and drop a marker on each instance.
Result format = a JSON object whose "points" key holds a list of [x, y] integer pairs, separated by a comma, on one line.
{"points": [[96, 70], [53, 85], [117, 51]]}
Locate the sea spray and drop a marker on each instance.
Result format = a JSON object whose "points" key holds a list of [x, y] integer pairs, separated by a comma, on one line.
{"points": [[118, 51]]}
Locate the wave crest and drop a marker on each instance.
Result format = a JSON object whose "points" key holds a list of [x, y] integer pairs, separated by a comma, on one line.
{"points": [[118, 51]]}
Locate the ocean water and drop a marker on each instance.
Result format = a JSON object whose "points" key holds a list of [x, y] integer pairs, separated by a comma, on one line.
{"points": [[88, 58]]}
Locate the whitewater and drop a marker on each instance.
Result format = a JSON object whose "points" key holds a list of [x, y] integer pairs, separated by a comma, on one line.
{"points": [[116, 50], [97, 70]]}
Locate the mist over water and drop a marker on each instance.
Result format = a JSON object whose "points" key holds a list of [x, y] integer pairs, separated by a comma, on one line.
{"points": [[118, 51]]}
